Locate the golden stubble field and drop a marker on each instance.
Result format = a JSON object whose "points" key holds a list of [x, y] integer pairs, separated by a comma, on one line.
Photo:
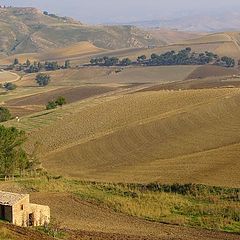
{"points": [[165, 136]]}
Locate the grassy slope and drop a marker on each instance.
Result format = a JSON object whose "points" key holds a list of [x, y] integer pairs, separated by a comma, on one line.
{"points": [[124, 208]]}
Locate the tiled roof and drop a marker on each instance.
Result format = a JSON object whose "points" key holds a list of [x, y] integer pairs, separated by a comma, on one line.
{"points": [[9, 199]]}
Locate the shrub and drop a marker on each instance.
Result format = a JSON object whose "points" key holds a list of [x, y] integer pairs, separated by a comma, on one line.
{"points": [[60, 101], [5, 114], [51, 105], [10, 86]]}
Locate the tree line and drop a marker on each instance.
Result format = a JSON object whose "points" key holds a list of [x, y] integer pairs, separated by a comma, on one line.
{"points": [[183, 57], [34, 67]]}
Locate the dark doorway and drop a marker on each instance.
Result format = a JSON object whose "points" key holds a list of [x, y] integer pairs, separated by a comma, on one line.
{"points": [[2, 212], [31, 219]]}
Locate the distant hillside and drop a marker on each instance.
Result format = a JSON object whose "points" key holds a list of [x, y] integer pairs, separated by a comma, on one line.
{"points": [[200, 22], [173, 35], [28, 30]]}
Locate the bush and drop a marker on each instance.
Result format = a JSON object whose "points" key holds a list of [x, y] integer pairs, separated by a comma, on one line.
{"points": [[60, 101], [5, 114], [10, 86], [51, 105]]}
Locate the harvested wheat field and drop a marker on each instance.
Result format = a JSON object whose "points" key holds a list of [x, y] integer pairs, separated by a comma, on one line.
{"points": [[206, 83], [112, 75], [144, 137], [212, 71], [102, 223]]}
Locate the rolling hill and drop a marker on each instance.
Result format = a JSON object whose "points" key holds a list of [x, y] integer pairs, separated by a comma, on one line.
{"points": [[144, 137], [28, 30]]}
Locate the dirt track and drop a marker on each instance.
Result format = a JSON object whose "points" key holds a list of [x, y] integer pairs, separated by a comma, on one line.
{"points": [[90, 221]]}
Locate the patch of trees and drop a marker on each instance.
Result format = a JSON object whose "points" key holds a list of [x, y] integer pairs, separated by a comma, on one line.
{"points": [[226, 62], [43, 79], [34, 67], [182, 57], [54, 15], [60, 101], [13, 158], [5, 115]]}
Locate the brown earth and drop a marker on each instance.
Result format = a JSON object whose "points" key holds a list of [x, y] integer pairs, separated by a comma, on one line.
{"points": [[72, 94], [91, 221], [18, 233]]}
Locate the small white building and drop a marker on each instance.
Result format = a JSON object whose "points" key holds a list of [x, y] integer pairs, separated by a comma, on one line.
{"points": [[17, 209]]}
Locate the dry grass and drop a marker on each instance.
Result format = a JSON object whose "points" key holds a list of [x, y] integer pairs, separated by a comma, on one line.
{"points": [[76, 50], [212, 71]]}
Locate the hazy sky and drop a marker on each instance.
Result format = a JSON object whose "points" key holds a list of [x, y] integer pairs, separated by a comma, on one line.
{"points": [[109, 11]]}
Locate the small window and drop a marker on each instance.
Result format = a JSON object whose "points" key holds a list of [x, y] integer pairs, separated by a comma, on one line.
{"points": [[22, 207]]}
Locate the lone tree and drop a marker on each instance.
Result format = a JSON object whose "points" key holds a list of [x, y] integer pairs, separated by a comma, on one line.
{"points": [[43, 79], [5, 114], [12, 156]]}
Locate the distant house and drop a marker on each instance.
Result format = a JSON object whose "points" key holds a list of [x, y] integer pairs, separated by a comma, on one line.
{"points": [[17, 209]]}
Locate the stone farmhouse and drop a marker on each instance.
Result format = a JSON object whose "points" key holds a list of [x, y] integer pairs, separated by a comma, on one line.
{"points": [[17, 209]]}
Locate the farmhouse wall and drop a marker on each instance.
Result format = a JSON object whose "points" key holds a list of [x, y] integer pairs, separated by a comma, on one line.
{"points": [[41, 214], [21, 212]]}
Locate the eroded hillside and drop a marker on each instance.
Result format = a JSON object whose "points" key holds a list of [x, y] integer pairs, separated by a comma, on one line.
{"points": [[27, 30]]}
